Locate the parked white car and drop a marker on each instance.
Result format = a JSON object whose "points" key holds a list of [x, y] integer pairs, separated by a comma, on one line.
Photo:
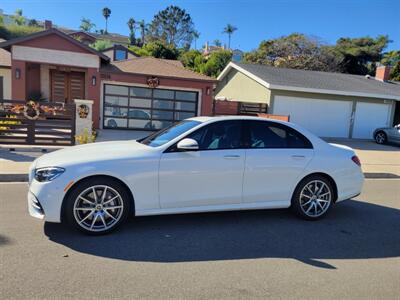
{"points": [[201, 164]]}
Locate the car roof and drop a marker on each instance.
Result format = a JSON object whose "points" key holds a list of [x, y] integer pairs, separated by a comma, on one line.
{"points": [[204, 119]]}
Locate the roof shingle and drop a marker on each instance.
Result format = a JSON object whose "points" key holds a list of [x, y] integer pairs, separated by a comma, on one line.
{"points": [[322, 80], [154, 66]]}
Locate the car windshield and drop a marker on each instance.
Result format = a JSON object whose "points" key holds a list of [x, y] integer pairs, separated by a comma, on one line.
{"points": [[168, 134]]}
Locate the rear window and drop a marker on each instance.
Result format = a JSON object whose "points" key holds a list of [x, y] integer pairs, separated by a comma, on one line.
{"points": [[262, 134]]}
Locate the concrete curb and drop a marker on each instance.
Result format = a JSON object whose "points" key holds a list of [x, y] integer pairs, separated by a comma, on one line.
{"points": [[380, 175], [13, 177], [24, 177]]}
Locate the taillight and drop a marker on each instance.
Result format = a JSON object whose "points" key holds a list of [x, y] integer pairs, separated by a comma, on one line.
{"points": [[356, 160]]}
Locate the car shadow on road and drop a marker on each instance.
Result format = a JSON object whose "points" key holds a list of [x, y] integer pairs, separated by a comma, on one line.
{"points": [[353, 230]]}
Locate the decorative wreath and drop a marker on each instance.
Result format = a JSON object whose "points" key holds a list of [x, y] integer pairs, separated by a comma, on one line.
{"points": [[83, 111], [153, 82], [31, 110]]}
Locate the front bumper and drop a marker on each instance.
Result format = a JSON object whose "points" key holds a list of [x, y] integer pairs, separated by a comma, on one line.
{"points": [[34, 206], [45, 199]]}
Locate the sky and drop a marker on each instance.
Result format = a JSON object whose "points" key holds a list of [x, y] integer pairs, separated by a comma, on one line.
{"points": [[256, 20]]}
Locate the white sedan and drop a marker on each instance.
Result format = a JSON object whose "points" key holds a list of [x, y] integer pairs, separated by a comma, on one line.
{"points": [[201, 164]]}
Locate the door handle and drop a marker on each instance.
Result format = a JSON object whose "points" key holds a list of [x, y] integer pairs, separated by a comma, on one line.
{"points": [[298, 156], [233, 156]]}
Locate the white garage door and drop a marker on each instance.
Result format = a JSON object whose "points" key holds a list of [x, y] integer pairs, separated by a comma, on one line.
{"points": [[369, 116], [325, 118]]}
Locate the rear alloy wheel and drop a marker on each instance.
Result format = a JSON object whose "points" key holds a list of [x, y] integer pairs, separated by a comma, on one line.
{"points": [[98, 207], [380, 137], [313, 198]]}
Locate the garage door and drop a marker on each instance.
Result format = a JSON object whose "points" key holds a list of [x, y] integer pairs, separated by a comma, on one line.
{"points": [[369, 116], [131, 107], [325, 118]]}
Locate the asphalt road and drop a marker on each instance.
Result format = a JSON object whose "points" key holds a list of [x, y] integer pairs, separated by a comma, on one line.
{"points": [[352, 254]]}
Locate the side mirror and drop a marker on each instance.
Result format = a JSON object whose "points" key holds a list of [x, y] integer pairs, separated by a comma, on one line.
{"points": [[188, 145]]}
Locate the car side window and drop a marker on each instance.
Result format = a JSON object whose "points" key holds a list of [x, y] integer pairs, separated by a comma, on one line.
{"points": [[262, 134], [219, 135]]}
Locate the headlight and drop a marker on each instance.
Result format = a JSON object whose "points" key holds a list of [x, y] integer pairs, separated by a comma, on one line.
{"points": [[48, 174]]}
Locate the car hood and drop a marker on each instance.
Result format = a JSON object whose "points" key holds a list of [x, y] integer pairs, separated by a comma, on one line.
{"points": [[94, 152]]}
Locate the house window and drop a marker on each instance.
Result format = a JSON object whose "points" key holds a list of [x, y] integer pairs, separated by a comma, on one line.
{"points": [[144, 108], [120, 54]]}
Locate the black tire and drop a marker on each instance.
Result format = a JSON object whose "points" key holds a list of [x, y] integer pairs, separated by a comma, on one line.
{"points": [[299, 202], [104, 214], [380, 137]]}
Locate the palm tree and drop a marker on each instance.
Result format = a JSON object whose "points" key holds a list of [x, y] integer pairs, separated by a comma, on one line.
{"points": [[217, 43], [142, 26], [106, 15], [86, 25], [131, 24], [18, 18], [229, 30], [196, 35]]}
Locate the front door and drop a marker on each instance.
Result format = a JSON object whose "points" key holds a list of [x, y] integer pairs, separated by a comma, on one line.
{"points": [[213, 175], [276, 156], [67, 86]]}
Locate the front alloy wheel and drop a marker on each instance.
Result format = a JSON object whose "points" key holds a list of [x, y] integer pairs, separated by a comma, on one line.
{"points": [[97, 206], [380, 138], [313, 198]]}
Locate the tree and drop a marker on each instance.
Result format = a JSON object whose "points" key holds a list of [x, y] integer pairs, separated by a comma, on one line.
{"points": [[18, 18], [229, 30], [132, 28], [217, 43], [296, 51], [156, 49], [196, 35], [395, 73], [142, 26], [188, 59], [211, 66], [100, 45], [173, 26], [358, 53], [390, 58], [106, 15], [1, 20], [33, 22], [216, 63], [86, 25]]}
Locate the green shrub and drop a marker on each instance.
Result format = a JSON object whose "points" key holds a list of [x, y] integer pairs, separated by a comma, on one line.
{"points": [[85, 137], [13, 31], [100, 45]]}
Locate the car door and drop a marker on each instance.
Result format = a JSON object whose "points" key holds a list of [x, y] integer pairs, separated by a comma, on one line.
{"points": [[276, 157], [212, 175]]}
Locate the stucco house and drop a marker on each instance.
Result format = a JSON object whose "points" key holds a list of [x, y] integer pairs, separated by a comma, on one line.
{"points": [[128, 92], [328, 104], [5, 73]]}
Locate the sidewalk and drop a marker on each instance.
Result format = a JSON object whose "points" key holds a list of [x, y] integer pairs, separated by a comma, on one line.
{"points": [[378, 161]]}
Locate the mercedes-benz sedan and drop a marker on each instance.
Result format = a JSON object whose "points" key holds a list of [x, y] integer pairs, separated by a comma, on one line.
{"points": [[198, 165]]}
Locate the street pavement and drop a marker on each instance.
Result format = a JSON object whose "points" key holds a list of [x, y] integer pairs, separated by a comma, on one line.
{"points": [[352, 254]]}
